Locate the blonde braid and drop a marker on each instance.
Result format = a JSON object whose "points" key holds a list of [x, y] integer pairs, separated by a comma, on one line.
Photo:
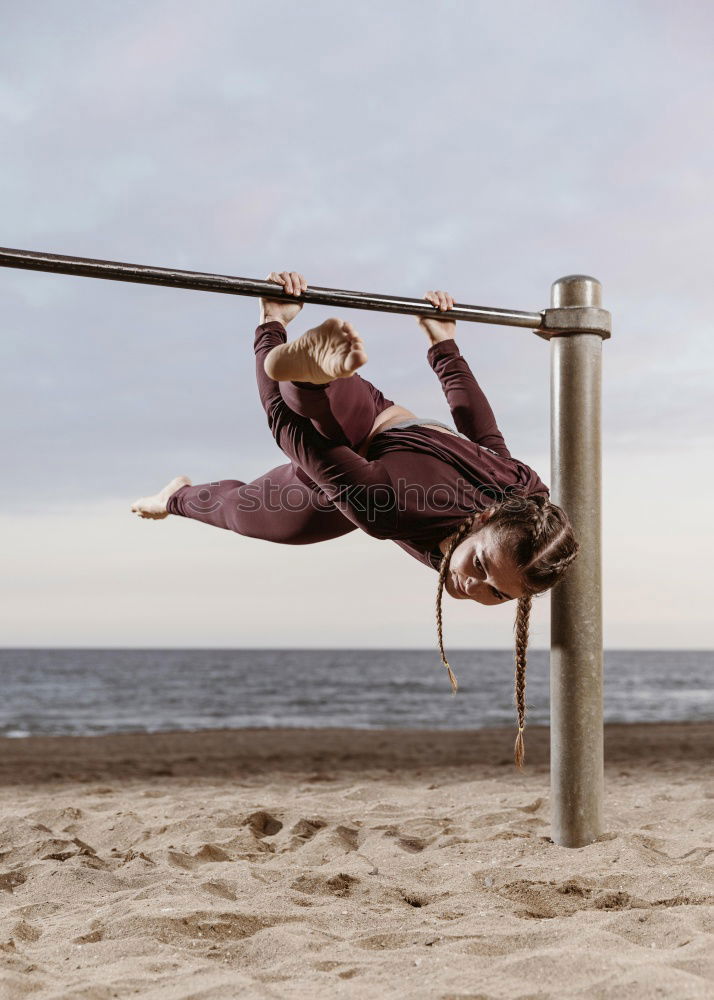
{"points": [[461, 531], [540, 512], [521, 629]]}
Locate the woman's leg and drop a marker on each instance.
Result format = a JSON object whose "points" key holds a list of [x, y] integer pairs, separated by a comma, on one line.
{"points": [[363, 490], [277, 507], [319, 426], [326, 491], [343, 410]]}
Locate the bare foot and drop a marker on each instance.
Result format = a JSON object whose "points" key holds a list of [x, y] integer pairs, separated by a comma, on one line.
{"points": [[331, 350], [155, 506]]}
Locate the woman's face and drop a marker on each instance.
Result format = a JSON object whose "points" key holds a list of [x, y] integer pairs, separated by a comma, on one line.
{"points": [[481, 571]]}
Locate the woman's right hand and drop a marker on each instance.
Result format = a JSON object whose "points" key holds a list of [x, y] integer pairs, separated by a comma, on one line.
{"points": [[278, 309], [438, 329]]}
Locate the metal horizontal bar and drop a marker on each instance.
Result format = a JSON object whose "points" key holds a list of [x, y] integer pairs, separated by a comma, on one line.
{"points": [[143, 274]]}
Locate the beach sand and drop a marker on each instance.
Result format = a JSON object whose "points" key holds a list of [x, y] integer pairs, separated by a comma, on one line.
{"points": [[351, 863]]}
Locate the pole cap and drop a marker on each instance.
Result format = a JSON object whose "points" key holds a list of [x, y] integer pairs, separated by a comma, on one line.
{"points": [[575, 290]]}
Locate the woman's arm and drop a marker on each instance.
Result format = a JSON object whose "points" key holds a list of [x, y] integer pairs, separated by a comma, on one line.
{"points": [[469, 407]]}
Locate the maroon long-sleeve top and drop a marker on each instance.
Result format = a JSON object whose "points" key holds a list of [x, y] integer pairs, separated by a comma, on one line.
{"points": [[415, 485]]}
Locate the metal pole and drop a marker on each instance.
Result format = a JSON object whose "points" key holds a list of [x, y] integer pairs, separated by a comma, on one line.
{"points": [[143, 274], [576, 683]]}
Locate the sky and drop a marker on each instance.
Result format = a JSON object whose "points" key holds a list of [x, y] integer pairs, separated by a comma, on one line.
{"points": [[385, 147]]}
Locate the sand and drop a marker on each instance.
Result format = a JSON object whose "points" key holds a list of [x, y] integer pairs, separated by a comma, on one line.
{"points": [[351, 863]]}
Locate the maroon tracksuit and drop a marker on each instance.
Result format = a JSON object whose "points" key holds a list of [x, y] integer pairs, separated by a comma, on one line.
{"points": [[415, 485]]}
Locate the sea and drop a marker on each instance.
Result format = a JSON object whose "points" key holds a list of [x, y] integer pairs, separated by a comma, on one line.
{"points": [[95, 691]]}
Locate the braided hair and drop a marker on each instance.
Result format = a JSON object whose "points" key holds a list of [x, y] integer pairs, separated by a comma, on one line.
{"points": [[540, 541]]}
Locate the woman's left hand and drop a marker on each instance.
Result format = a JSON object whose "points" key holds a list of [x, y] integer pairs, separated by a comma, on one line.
{"points": [[438, 329], [293, 283]]}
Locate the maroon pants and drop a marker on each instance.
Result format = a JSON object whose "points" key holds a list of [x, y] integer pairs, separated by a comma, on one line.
{"points": [[285, 505]]}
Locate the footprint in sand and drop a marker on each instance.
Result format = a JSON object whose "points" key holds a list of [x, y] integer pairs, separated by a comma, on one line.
{"points": [[392, 942], [55, 817], [219, 889], [410, 844], [348, 837], [417, 899], [306, 829], [205, 855], [125, 857], [263, 824], [25, 931], [208, 926], [9, 881], [61, 850], [91, 936], [338, 885], [349, 973], [544, 900], [210, 853]]}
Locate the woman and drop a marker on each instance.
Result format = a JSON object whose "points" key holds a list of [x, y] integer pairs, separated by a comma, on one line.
{"points": [[454, 499]]}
